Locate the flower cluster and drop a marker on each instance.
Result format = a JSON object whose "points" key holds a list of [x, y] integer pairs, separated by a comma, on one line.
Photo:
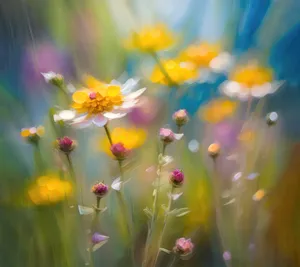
{"points": [[183, 246], [65, 144], [33, 134]]}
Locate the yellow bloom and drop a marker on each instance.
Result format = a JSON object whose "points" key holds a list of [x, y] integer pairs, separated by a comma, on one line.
{"points": [[200, 54], [178, 72], [251, 80], [30, 132], [131, 138], [218, 110], [251, 75], [99, 101], [151, 38], [49, 190]]}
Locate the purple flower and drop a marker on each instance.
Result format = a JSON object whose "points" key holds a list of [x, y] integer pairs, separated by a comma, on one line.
{"points": [[100, 189], [183, 246], [180, 117], [119, 151], [177, 178], [166, 135], [65, 144], [97, 238], [227, 256]]}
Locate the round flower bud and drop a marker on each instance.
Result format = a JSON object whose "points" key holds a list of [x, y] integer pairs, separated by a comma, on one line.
{"points": [[100, 189], [53, 78], [65, 144], [177, 178], [98, 238], [166, 135], [180, 117], [272, 118], [119, 151], [214, 150], [183, 246]]}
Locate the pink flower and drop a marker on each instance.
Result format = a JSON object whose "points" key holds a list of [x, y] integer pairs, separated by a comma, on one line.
{"points": [[100, 189], [183, 246], [66, 144], [119, 151], [177, 178], [180, 117], [166, 135]]}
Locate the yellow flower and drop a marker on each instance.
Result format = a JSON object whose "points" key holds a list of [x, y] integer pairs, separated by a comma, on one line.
{"points": [[201, 54], [251, 75], [251, 80], [151, 38], [99, 101], [218, 110], [49, 190], [131, 138], [178, 72]]}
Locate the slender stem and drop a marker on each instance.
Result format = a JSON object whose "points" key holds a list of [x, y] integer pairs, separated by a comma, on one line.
{"points": [[161, 236], [108, 134], [249, 104], [71, 167], [154, 209], [40, 167], [174, 260], [218, 206]]}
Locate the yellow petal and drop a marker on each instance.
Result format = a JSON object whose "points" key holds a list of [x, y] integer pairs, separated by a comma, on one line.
{"points": [[25, 132], [80, 96], [40, 130], [113, 90]]}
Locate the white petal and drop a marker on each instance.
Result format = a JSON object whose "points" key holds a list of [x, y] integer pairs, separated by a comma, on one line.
{"points": [[85, 210], [115, 82], [111, 115], [167, 159], [48, 75], [100, 120], [175, 196], [230, 88], [56, 118], [222, 63], [71, 88], [129, 85], [66, 115], [261, 90], [276, 85], [116, 184], [82, 122], [135, 94], [178, 136]]}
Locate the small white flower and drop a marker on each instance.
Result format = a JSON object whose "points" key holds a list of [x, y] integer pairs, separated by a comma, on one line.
{"points": [[222, 63], [64, 115]]}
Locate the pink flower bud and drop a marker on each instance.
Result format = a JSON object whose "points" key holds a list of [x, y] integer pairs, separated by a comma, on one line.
{"points": [[180, 117], [166, 135], [92, 95], [183, 246], [100, 189], [66, 144], [119, 151], [98, 238], [177, 178]]}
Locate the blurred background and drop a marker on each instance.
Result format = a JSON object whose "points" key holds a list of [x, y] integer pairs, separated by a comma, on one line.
{"points": [[75, 38]]}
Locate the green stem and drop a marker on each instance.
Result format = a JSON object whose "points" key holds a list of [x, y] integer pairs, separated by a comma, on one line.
{"points": [[174, 260], [108, 134], [165, 224], [71, 167], [38, 159], [154, 209]]}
